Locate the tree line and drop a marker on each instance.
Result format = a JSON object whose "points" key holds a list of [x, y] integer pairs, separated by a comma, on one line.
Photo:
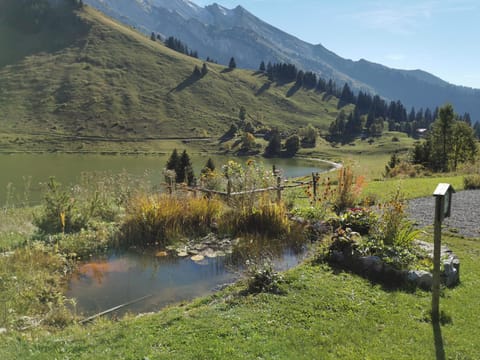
{"points": [[31, 16]]}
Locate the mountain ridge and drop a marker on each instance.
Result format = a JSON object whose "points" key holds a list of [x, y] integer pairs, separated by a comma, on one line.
{"points": [[111, 81], [238, 33]]}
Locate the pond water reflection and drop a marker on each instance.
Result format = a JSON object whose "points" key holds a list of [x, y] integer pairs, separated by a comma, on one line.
{"points": [[118, 278]]}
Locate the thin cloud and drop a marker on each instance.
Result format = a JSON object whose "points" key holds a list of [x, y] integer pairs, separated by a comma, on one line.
{"points": [[395, 57], [406, 18]]}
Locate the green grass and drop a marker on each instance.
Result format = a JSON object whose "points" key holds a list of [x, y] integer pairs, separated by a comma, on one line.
{"points": [[16, 225], [369, 159], [323, 314], [411, 187], [106, 81]]}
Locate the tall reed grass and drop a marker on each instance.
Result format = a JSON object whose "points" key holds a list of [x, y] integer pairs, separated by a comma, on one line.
{"points": [[163, 218], [264, 218]]}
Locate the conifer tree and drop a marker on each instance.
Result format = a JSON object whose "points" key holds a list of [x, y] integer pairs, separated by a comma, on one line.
{"points": [[185, 170], [173, 162], [262, 67], [232, 64], [204, 69], [274, 146], [196, 71]]}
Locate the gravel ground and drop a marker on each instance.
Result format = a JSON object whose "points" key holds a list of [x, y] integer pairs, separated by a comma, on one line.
{"points": [[465, 214]]}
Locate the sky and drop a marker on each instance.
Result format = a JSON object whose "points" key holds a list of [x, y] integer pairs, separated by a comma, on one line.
{"points": [[438, 36]]}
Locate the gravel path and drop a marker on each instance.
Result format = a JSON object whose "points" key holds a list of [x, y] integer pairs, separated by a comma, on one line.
{"points": [[465, 217]]}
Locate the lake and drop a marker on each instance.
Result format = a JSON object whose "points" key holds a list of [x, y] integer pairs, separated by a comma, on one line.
{"points": [[27, 171]]}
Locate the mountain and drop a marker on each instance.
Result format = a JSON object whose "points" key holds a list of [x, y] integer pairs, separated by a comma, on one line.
{"points": [[77, 72], [221, 33]]}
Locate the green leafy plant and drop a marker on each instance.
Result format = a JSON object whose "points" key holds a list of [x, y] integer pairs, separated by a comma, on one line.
{"points": [[262, 277], [60, 212], [391, 219], [342, 240], [359, 219]]}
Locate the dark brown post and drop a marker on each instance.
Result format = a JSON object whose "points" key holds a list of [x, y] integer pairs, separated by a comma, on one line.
{"points": [[229, 188], [315, 185], [279, 188]]}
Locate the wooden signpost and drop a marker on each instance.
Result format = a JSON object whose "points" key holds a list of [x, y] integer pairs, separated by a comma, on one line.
{"points": [[443, 204]]}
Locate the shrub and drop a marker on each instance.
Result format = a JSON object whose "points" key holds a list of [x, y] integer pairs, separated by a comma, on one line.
{"points": [[360, 220], [262, 277], [471, 182], [60, 212], [406, 169], [342, 240], [99, 196], [252, 176], [399, 257]]}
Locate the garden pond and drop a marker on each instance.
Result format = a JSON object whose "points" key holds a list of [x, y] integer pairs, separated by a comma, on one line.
{"points": [[165, 276]]}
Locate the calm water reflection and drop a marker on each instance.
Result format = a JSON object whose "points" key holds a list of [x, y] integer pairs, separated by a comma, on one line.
{"points": [[103, 283], [20, 169]]}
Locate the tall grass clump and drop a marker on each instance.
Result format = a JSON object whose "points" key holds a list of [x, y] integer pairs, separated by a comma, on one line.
{"points": [[264, 218], [31, 288], [162, 218], [471, 182], [349, 187]]}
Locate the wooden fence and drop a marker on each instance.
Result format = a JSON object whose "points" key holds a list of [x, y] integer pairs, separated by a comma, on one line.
{"points": [[278, 188]]}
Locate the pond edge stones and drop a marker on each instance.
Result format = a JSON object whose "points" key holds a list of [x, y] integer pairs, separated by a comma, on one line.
{"points": [[374, 267]]}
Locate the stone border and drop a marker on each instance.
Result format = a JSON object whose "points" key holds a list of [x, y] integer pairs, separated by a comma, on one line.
{"points": [[374, 267]]}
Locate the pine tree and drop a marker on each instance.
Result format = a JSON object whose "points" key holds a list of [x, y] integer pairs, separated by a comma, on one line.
{"points": [[476, 129], [210, 165], [262, 67], [274, 146], [196, 72], [204, 69], [185, 170], [442, 131], [242, 113], [232, 64], [173, 162]]}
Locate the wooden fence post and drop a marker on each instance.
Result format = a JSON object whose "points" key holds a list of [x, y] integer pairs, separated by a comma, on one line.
{"points": [[229, 188], [314, 185], [279, 188], [170, 185]]}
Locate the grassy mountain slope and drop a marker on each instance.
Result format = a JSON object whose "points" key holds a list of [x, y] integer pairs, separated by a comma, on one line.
{"points": [[92, 77]]}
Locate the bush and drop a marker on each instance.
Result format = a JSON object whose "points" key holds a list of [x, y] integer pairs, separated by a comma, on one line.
{"points": [[60, 212], [342, 240], [471, 182], [360, 220], [262, 277], [406, 169]]}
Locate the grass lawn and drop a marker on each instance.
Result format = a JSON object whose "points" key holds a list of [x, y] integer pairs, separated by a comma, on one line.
{"points": [[324, 314]]}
